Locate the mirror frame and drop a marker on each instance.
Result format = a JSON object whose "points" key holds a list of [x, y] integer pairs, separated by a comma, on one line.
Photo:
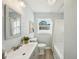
{"points": [[7, 23]]}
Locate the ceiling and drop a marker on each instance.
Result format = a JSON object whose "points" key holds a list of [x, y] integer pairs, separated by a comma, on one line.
{"points": [[43, 6]]}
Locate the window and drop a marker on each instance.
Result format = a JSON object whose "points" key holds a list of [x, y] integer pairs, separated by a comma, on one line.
{"points": [[45, 25]]}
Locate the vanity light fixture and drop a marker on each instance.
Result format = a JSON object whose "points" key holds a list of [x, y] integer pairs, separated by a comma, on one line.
{"points": [[22, 3], [51, 2]]}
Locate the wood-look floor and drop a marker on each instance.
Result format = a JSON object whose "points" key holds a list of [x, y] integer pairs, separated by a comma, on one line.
{"points": [[48, 54]]}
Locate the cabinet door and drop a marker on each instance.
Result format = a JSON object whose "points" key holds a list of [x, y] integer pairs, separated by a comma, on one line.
{"points": [[34, 54]]}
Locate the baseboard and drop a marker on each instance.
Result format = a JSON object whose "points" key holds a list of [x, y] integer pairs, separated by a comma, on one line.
{"points": [[48, 48]]}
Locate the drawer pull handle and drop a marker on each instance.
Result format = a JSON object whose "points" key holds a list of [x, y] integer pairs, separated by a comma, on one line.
{"points": [[23, 54]]}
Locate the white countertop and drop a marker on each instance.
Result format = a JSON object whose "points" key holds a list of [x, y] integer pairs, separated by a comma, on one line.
{"points": [[27, 49]]}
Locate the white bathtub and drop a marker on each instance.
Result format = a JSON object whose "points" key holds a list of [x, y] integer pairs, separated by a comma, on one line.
{"points": [[58, 53]]}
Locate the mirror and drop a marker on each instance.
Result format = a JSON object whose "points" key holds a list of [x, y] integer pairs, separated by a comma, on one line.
{"points": [[12, 21]]}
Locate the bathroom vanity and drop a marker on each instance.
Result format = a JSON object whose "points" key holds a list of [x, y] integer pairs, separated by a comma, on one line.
{"points": [[27, 51]]}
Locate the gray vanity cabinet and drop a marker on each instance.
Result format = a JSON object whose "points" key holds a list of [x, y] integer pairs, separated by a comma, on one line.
{"points": [[35, 54]]}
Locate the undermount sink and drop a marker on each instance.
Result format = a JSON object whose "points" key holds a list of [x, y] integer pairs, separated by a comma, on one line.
{"points": [[24, 52], [33, 40]]}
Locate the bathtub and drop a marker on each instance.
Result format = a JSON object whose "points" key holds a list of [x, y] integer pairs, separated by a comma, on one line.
{"points": [[58, 53]]}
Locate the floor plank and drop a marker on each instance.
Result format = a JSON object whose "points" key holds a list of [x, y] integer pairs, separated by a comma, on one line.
{"points": [[48, 54]]}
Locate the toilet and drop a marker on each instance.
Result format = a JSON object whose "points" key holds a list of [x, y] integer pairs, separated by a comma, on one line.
{"points": [[41, 47]]}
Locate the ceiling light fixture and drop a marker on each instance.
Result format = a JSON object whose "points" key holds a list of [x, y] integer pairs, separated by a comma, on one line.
{"points": [[22, 3], [51, 2]]}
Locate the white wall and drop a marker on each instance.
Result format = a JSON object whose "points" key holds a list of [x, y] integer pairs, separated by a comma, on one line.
{"points": [[43, 37], [26, 15], [70, 45], [52, 16], [49, 15], [14, 5]]}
